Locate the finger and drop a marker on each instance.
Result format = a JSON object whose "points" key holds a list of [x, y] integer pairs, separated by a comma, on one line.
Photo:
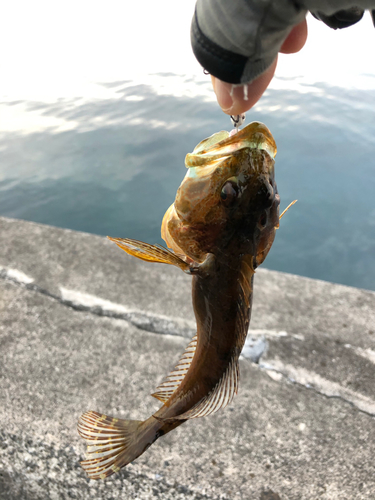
{"points": [[233, 100], [296, 39]]}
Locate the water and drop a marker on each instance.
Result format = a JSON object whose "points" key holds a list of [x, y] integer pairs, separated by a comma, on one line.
{"points": [[109, 159]]}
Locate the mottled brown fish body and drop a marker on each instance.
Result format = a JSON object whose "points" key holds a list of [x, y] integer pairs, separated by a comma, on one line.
{"points": [[219, 229], [222, 325]]}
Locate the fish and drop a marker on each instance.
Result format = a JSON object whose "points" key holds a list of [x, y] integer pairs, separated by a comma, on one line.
{"points": [[219, 229]]}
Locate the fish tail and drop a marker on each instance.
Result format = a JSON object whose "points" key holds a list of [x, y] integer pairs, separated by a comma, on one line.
{"points": [[113, 443]]}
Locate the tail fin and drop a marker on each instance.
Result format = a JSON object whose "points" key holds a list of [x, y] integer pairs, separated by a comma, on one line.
{"points": [[112, 443]]}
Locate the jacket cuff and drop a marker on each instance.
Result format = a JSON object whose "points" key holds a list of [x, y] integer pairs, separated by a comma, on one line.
{"points": [[222, 63]]}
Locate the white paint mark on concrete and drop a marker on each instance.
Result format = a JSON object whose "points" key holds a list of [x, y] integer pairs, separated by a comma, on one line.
{"points": [[268, 333], [254, 348], [274, 375], [16, 275], [298, 336], [313, 380], [91, 301], [256, 342], [365, 353], [153, 322]]}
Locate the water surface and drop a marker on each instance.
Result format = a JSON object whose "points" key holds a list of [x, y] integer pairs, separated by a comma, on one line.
{"points": [[112, 167], [95, 126]]}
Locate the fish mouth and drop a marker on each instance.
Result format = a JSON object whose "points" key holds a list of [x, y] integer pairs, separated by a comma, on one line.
{"points": [[212, 150]]}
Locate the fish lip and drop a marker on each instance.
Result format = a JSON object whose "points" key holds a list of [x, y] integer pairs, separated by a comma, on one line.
{"points": [[254, 136], [256, 133]]}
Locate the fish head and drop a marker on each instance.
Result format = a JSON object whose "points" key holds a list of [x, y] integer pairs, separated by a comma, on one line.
{"points": [[227, 203]]}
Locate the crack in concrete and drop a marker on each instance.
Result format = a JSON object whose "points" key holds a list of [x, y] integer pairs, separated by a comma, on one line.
{"points": [[321, 386], [78, 301], [255, 346]]}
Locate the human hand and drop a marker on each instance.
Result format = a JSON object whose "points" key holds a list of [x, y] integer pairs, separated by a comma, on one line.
{"points": [[234, 102]]}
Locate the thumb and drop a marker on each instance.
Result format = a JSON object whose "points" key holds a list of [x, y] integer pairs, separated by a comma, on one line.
{"points": [[235, 99]]}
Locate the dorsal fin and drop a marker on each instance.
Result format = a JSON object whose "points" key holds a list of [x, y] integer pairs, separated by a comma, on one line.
{"points": [[165, 390], [219, 397]]}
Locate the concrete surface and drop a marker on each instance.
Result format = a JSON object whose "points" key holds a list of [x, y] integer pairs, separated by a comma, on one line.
{"points": [[84, 326]]}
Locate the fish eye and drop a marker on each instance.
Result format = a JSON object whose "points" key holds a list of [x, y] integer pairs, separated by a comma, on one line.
{"points": [[229, 192], [263, 220]]}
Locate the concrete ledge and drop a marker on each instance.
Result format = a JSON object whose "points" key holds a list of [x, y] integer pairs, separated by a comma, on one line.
{"points": [[84, 326]]}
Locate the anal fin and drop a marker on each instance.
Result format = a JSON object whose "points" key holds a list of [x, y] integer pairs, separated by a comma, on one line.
{"points": [[221, 395]]}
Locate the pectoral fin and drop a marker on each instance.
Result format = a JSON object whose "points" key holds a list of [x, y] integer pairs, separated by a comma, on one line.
{"points": [[151, 253]]}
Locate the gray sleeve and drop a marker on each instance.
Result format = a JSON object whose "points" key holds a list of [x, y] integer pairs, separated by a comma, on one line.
{"points": [[329, 7], [237, 40]]}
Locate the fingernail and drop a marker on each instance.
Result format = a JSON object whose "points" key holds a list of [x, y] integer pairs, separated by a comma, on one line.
{"points": [[222, 91]]}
